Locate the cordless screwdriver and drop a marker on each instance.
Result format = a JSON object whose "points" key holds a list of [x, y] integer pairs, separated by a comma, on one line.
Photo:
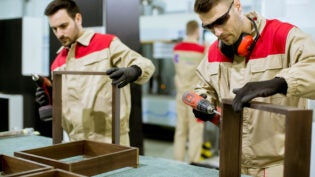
{"points": [[44, 83], [199, 103], [45, 112]]}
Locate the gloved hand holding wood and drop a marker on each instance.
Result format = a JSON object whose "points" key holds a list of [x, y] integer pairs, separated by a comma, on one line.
{"points": [[252, 90], [124, 76]]}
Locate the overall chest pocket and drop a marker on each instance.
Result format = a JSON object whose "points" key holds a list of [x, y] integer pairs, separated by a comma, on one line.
{"points": [[97, 61], [265, 69]]}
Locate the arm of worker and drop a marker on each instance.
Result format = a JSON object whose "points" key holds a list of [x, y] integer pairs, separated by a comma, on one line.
{"points": [[205, 85], [205, 89], [252, 90], [297, 79], [301, 55], [131, 66]]}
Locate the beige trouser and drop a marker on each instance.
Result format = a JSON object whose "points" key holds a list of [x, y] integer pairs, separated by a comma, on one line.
{"points": [[187, 129], [273, 171]]}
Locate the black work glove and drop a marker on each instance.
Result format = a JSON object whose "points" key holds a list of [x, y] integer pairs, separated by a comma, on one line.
{"points": [[123, 76], [203, 116], [43, 100], [252, 90], [41, 97]]}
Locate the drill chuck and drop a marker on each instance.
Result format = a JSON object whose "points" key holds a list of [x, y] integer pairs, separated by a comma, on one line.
{"points": [[205, 106]]}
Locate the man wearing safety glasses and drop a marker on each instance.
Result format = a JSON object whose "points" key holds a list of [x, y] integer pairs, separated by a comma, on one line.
{"points": [[255, 58]]}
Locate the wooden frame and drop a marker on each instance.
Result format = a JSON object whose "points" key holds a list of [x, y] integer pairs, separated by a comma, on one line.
{"points": [[57, 132], [96, 157], [55, 173], [84, 157], [14, 166], [297, 143]]}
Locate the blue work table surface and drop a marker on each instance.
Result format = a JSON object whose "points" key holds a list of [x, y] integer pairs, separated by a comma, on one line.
{"points": [[148, 166]]}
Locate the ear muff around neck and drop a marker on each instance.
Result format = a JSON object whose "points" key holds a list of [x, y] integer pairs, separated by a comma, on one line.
{"points": [[244, 45]]}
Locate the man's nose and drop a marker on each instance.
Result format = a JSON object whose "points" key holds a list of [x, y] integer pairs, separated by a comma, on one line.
{"points": [[59, 32], [217, 31]]}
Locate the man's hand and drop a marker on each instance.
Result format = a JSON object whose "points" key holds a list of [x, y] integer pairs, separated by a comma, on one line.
{"points": [[252, 90], [203, 116], [43, 100], [215, 119], [124, 76], [41, 97]]}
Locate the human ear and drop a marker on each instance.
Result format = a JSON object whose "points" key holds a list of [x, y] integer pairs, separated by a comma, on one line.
{"points": [[78, 18]]}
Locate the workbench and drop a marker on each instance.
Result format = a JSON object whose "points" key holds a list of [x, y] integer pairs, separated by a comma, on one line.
{"points": [[148, 166]]}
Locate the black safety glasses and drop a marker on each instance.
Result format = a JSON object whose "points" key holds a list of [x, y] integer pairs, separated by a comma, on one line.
{"points": [[220, 21]]}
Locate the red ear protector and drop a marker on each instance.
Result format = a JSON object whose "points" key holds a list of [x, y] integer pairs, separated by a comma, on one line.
{"points": [[243, 46]]}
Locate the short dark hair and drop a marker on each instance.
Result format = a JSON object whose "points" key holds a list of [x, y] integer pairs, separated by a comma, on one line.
{"points": [[191, 27], [203, 6], [55, 5]]}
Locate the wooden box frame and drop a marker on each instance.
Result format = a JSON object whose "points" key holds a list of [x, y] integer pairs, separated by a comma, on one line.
{"points": [[55, 173], [98, 157], [14, 166], [95, 157], [298, 134], [57, 132]]}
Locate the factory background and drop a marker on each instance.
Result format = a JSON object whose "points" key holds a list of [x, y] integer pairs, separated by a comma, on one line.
{"points": [[27, 46]]}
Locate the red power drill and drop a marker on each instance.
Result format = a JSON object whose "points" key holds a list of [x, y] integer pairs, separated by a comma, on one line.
{"points": [[44, 83], [197, 102], [45, 112]]}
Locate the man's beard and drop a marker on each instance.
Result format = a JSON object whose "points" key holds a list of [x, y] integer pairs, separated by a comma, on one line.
{"points": [[66, 41]]}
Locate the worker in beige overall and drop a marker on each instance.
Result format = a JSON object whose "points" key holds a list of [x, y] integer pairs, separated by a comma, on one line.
{"points": [[189, 131], [258, 59], [87, 100]]}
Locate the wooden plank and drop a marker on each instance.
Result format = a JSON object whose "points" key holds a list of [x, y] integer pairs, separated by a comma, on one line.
{"points": [[57, 131], [92, 148], [297, 143], [230, 151], [79, 73], [14, 166], [59, 151], [107, 162], [42, 159], [55, 173], [266, 107], [115, 115]]}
